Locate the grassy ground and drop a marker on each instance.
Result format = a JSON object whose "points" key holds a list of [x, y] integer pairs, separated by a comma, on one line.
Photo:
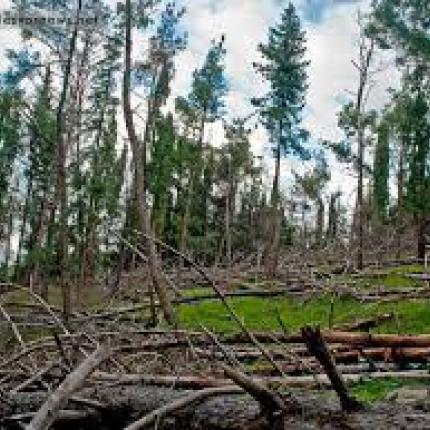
{"points": [[378, 389], [264, 314], [412, 316]]}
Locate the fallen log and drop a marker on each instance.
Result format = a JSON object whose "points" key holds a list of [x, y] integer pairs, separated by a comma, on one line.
{"points": [[395, 355], [237, 294], [47, 414], [197, 382], [341, 355], [367, 323], [156, 415], [126, 404], [270, 402], [340, 337]]}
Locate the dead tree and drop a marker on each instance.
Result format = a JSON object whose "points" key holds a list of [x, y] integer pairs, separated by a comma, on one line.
{"points": [[141, 206], [318, 348], [47, 414]]}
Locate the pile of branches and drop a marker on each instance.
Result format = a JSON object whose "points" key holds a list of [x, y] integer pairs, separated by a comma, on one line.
{"points": [[141, 378], [102, 371]]}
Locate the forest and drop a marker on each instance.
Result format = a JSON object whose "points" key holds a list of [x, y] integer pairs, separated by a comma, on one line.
{"points": [[170, 262]]}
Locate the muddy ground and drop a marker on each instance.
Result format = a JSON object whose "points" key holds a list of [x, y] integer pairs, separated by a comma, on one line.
{"points": [[124, 404]]}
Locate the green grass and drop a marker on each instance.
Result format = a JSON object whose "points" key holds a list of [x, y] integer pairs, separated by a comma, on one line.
{"points": [[197, 291], [408, 268], [378, 389], [394, 277], [413, 316]]}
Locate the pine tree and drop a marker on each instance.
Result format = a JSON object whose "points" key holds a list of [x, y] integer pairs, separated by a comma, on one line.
{"points": [[203, 105], [381, 171], [403, 26], [285, 69]]}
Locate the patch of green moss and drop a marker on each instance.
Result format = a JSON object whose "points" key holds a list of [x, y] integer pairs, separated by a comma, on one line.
{"points": [[261, 314], [372, 390], [197, 291], [408, 268]]}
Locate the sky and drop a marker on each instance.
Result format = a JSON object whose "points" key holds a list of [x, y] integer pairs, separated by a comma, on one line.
{"points": [[332, 42]]}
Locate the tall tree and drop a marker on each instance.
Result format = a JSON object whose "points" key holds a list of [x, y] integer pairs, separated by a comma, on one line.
{"points": [[356, 121], [203, 105], [284, 67], [141, 204], [403, 25]]}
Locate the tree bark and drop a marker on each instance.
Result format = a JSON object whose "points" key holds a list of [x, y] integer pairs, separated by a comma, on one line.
{"points": [[366, 54], [47, 414], [318, 348], [63, 245], [144, 221]]}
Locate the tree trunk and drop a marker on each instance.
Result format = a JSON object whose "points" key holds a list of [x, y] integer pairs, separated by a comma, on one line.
{"points": [[320, 221], [227, 217], [144, 221], [272, 250], [360, 199], [318, 348], [421, 236], [8, 247], [400, 188], [63, 245], [366, 54]]}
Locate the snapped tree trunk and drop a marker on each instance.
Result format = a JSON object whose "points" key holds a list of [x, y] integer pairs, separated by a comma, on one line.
{"points": [[144, 222], [318, 348]]}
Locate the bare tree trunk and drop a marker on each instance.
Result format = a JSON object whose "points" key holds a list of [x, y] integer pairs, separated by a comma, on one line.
{"points": [[47, 414], [360, 211], [8, 247], [62, 173], [318, 348], [320, 220], [366, 54], [227, 217], [22, 232], [78, 97], [400, 187], [272, 250], [144, 221]]}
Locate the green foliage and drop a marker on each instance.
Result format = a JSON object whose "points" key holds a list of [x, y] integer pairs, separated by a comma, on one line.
{"points": [[209, 84], [312, 183], [10, 144], [208, 88], [285, 69], [381, 172], [403, 25], [349, 121], [418, 149]]}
